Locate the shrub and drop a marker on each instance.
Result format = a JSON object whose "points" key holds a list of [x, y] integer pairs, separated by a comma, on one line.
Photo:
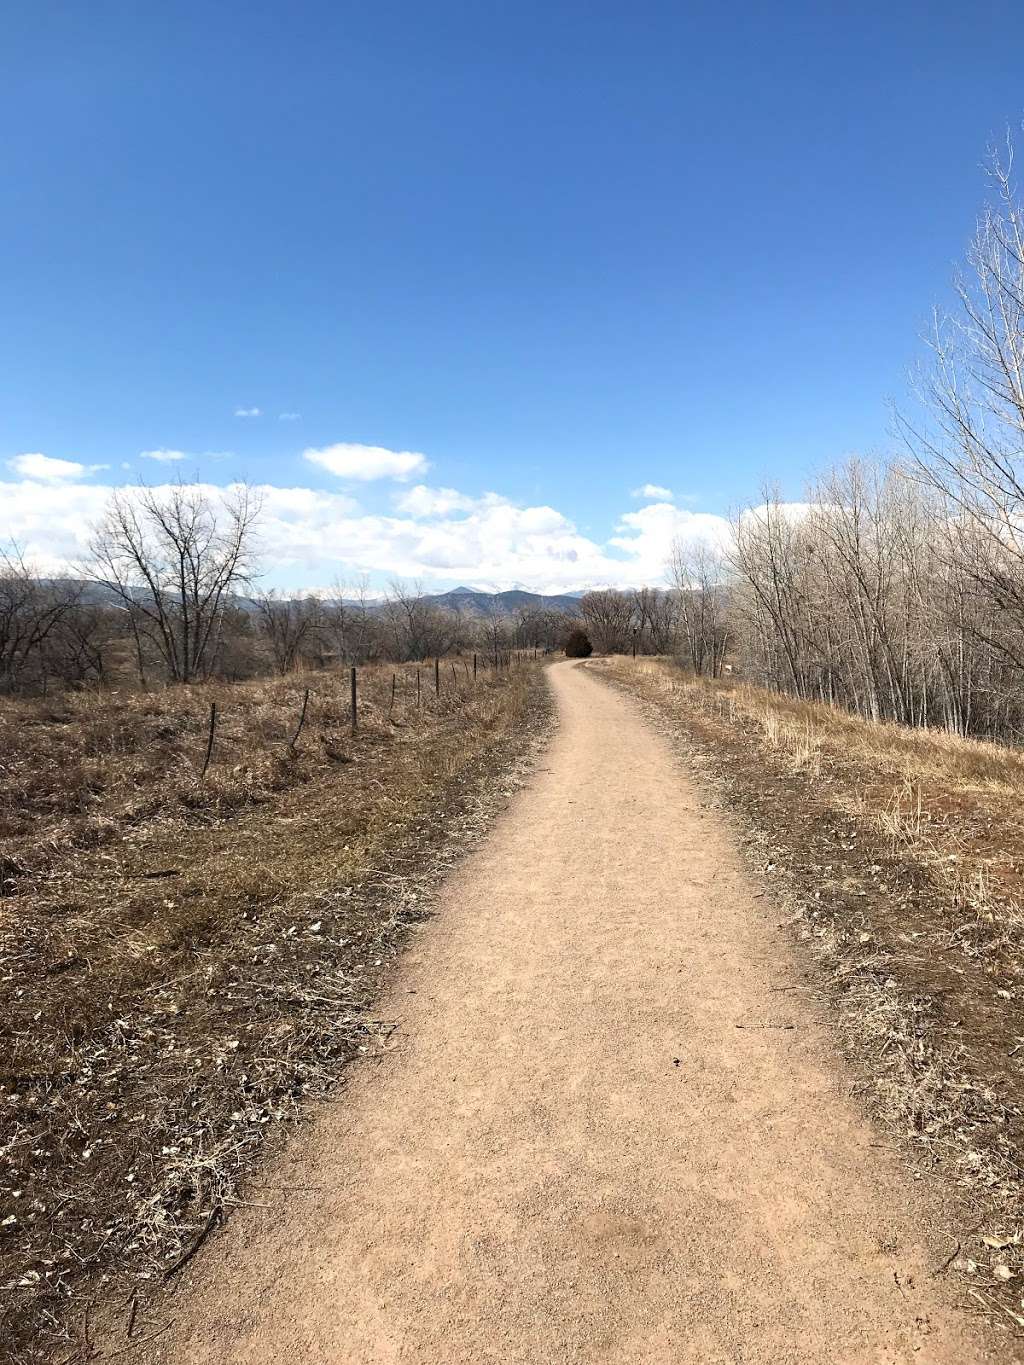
{"points": [[578, 646]]}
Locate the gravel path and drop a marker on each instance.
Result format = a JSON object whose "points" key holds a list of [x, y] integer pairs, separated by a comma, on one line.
{"points": [[602, 1132]]}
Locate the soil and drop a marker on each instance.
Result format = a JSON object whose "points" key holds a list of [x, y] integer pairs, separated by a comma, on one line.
{"points": [[606, 1128]]}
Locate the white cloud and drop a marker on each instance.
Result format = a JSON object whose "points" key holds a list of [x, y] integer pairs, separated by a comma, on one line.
{"points": [[648, 535], [289, 416], [310, 535], [248, 412], [164, 456], [653, 490], [421, 501], [350, 461], [36, 466]]}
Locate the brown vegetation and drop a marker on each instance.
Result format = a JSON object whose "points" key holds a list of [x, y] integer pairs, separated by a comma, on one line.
{"points": [[187, 959], [902, 855]]}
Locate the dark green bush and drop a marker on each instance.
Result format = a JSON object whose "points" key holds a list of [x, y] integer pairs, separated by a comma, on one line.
{"points": [[578, 646]]}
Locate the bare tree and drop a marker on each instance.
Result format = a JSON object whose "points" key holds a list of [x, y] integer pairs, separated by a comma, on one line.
{"points": [[698, 574], [420, 629], [31, 613], [969, 447], [609, 620], [655, 619], [352, 623], [172, 558], [291, 627]]}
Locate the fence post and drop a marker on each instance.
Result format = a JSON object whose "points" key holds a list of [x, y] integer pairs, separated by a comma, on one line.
{"points": [[474, 668], [302, 721], [353, 677], [419, 701], [437, 676], [394, 684], [209, 742]]}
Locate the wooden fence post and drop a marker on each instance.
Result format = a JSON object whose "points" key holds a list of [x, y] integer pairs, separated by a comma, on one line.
{"points": [[419, 701], [353, 677], [437, 676], [209, 741], [474, 668], [394, 684], [302, 721]]}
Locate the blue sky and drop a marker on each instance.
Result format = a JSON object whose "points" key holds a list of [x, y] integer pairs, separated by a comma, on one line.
{"points": [[562, 251]]}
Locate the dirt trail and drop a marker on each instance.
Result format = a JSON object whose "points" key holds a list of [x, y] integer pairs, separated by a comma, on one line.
{"points": [[571, 1152]]}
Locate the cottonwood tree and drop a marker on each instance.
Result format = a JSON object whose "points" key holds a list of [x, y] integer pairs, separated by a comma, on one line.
{"points": [[655, 619], [419, 628], [172, 558], [769, 554], [608, 618], [31, 613], [351, 623], [291, 626], [698, 572], [969, 444]]}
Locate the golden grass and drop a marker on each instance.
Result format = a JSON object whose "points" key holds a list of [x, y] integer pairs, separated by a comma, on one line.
{"points": [[951, 803], [797, 726]]}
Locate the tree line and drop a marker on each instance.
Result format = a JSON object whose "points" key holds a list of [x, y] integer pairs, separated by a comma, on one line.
{"points": [[895, 590], [898, 589], [167, 595]]}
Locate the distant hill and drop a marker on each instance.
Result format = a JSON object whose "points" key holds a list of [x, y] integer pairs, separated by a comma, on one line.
{"points": [[468, 601], [473, 603]]}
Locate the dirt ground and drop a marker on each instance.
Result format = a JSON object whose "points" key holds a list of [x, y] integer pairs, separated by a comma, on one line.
{"points": [[607, 1128]]}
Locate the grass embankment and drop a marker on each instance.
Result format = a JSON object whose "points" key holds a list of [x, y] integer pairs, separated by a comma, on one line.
{"points": [[185, 959], [901, 854]]}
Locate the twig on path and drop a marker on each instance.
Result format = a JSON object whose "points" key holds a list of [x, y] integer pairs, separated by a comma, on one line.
{"points": [[941, 1269], [140, 1341], [971, 1232], [784, 1026], [216, 1216]]}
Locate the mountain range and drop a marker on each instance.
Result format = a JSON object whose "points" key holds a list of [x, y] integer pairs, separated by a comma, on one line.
{"points": [[472, 602]]}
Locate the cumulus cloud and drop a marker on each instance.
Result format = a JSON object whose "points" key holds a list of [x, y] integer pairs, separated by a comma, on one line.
{"points": [[421, 501], [248, 412], [34, 465], [164, 456], [653, 490], [648, 535], [310, 535], [350, 461]]}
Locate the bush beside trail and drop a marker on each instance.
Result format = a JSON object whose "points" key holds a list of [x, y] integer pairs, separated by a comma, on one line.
{"points": [[578, 646]]}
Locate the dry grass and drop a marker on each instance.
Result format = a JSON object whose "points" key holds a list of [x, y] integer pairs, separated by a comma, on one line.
{"points": [[901, 855], [185, 961], [955, 800]]}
